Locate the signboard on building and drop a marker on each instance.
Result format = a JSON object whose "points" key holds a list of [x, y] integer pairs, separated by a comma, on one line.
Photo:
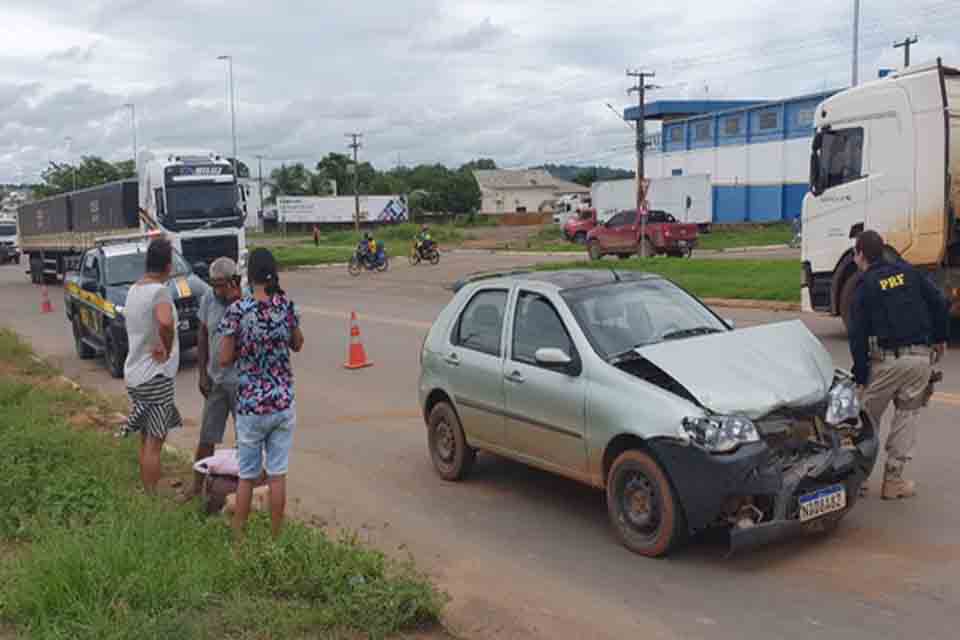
{"points": [[340, 209]]}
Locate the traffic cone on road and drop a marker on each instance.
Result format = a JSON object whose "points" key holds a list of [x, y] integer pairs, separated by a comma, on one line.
{"points": [[45, 305], [356, 354]]}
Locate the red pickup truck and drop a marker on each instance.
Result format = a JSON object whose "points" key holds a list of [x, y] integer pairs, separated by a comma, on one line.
{"points": [[622, 236]]}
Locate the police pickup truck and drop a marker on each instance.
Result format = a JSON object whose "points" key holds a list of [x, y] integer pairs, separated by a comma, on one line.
{"points": [[94, 298]]}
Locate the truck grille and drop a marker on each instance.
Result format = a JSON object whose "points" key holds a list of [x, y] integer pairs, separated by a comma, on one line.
{"points": [[208, 249]]}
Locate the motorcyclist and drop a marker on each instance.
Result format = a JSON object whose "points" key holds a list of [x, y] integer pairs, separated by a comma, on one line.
{"points": [[367, 247], [424, 240]]}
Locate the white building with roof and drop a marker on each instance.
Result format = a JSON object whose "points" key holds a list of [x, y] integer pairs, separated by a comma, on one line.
{"points": [[506, 191]]}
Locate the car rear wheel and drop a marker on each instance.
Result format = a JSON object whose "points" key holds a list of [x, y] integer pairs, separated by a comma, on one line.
{"points": [[451, 455], [84, 351], [594, 251], [642, 506], [113, 357], [649, 248]]}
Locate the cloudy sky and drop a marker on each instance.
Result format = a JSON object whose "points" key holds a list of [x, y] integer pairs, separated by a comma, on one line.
{"points": [[521, 81]]}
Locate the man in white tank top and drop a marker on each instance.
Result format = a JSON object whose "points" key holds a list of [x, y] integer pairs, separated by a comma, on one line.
{"points": [[152, 360]]}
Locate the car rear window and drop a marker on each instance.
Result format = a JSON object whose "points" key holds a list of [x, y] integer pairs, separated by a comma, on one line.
{"points": [[480, 326]]}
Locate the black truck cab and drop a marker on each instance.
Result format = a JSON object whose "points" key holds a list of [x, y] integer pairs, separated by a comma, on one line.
{"points": [[95, 296]]}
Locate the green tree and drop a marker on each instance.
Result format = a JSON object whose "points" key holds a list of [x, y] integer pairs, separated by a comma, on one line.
{"points": [[292, 180], [587, 176], [482, 164], [91, 172]]}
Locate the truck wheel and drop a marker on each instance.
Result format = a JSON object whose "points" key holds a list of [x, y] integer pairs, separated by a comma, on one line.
{"points": [[36, 271], [641, 504], [580, 237], [624, 256], [451, 455], [112, 356], [84, 352], [594, 251], [845, 302]]}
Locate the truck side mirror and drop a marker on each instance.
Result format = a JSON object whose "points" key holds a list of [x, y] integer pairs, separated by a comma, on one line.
{"points": [[816, 187]]}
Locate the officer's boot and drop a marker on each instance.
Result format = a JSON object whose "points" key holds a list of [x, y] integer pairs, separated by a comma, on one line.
{"points": [[894, 486]]}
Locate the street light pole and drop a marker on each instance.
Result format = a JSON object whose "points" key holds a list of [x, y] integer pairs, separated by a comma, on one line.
{"points": [[133, 126], [69, 141], [855, 72], [233, 113]]}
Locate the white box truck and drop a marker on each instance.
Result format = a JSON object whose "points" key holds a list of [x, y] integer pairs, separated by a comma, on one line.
{"points": [[688, 198], [886, 157]]}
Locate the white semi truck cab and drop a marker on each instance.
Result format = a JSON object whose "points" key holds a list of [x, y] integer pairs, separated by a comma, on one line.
{"points": [[195, 197], [886, 157]]}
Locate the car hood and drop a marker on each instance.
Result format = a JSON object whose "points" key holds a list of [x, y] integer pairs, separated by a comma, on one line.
{"points": [[749, 371], [182, 286]]}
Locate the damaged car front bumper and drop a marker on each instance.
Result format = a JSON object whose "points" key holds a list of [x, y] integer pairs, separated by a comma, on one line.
{"points": [[757, 490]]}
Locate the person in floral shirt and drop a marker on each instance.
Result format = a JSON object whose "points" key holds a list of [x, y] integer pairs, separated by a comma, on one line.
{"points": [[259, 331]]}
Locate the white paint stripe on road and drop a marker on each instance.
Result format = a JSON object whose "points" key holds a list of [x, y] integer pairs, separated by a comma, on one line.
{"points": [[345, 315]]}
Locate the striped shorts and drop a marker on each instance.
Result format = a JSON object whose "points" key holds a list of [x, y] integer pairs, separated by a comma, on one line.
{"points": [[152, 410]]}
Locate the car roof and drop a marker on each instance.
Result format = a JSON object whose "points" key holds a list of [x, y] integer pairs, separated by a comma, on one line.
{"points": [[562, 280], [124, 249]]}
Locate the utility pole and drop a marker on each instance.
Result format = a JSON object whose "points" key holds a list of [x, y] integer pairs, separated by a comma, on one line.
{"points": [[133, 127], [355, 145], [905, 44], [260, 188], [640, 88], [855, 75]]}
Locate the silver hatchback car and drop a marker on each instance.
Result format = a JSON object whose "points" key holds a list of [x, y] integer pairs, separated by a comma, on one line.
{"points": [[628, 383]]}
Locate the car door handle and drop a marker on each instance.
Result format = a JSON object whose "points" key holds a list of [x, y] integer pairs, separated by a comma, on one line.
{"points": [[515, 377], [453, 360]]}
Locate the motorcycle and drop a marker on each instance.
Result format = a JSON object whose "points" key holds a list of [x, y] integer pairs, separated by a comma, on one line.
{"points": [[369, 262], [417, 254]]}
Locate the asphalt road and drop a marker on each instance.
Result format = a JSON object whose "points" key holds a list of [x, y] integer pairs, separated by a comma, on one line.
{"points": [[527, 555]]}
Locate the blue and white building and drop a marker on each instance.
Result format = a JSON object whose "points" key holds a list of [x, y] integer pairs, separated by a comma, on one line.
{"points": [[757, 153]]}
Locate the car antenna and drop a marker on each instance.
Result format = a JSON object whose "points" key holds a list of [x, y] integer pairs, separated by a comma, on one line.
{"points": [[616, 276]]}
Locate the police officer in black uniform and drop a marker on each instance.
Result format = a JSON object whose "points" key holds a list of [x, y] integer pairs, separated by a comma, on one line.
{"points": [[898, 331]]}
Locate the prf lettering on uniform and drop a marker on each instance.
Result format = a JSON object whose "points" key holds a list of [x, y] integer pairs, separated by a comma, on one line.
{"points": [[892, 282]]}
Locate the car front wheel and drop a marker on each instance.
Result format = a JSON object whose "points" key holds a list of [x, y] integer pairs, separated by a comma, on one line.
{"points": [[642, 506], [451, 455]]}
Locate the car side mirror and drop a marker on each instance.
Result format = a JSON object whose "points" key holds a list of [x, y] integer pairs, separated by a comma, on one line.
{"points": [[557, 360], [730, 322]]}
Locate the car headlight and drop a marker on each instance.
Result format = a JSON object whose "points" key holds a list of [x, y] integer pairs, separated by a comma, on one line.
{"points": [[118, 308], [720, 434], [843, 404]]}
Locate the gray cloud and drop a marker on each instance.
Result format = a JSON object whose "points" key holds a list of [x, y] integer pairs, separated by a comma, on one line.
{"points": [[425, 80]]}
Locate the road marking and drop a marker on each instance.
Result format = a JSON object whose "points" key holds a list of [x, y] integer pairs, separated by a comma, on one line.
{"points": [[403, 414], [345, 315]]}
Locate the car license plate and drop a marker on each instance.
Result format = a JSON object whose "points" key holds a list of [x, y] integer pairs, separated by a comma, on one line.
{"points": [[184, 325], [820, 503]]}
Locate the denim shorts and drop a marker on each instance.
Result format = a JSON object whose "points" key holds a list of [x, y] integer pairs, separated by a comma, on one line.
{"points": [[265, 438]]}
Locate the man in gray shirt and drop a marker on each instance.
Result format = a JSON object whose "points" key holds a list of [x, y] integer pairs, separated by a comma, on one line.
{"points": [[217, 384]]}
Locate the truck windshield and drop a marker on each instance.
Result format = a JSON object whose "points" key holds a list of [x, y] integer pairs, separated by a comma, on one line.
{"points": [[187, 202], [128, 268], [8, 229]]}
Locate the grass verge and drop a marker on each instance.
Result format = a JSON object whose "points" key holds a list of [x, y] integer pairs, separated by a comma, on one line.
{"points": [[749, 236], [776, 280], [289, 257], [549, 239], [87, 556]]}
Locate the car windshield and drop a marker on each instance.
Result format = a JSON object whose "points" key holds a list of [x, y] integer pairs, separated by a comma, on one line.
{"points": [[8, 229], [617, 318], [130, 267], [202, 201]]}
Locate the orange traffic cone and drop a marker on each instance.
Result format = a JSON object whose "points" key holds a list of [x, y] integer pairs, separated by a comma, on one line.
{"points": [[356, 355], [45, 305]]}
